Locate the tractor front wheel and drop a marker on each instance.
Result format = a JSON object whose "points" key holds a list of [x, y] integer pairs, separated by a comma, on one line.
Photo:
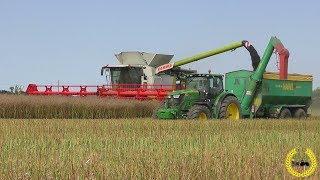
{"points": [[199, 112], [230, 108]]}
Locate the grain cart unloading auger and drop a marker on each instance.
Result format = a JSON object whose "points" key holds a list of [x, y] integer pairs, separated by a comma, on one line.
{"points": [[246, 93]]}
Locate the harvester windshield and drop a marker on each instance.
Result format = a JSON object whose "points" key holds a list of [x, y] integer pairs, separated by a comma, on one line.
{"points": [[124, 75], [130, 75]]}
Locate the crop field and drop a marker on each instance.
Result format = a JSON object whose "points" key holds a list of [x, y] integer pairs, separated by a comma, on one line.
{"points": [[92, 138], [57, 107]]}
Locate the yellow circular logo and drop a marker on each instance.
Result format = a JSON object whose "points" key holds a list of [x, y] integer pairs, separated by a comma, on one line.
{"points": [[308, 166]]}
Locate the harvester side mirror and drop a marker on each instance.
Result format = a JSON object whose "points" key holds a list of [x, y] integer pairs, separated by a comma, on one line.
{"points": [[103, 69]]}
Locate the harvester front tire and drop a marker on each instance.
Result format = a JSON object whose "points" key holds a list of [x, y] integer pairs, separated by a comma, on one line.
{"points": [[300, 114], [224, 108], [285, 114], [199, 112]]}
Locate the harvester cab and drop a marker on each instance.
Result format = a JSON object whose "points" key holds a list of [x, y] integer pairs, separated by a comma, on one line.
{"points": [[136, 68]]}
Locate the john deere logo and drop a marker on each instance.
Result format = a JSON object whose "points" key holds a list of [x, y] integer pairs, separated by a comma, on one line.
{"points": [[303, 166]]}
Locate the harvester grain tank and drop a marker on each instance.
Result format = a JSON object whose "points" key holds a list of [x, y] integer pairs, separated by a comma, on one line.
{"points": [[246, 94]]}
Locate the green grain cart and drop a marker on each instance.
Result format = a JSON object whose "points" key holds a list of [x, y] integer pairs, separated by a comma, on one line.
{"points": [[247, 94]]}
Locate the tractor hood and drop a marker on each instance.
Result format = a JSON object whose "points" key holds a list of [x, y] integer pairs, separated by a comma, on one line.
{"points": [[177, 101]]}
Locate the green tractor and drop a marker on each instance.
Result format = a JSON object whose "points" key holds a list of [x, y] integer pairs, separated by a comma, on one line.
{"points": [[203, 93], [246, 93]]}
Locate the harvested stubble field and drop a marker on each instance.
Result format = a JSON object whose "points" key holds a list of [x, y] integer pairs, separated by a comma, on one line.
{"points": [[145, 148]]}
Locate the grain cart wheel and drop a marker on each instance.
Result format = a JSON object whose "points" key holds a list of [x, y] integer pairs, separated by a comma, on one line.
{"points": [[300, 114], [285, 113], [230, 109], [199, 112]]}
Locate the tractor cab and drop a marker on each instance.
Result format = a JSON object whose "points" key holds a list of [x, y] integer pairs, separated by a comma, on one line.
{"points": [[210, 84]]}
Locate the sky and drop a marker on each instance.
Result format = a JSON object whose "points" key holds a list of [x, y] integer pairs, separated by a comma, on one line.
{"points": [[44, 41]]}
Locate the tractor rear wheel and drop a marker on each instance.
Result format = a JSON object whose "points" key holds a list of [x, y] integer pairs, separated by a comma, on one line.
{"points": [[230, 108], [199, 112], [285, 114], [300, 114]]}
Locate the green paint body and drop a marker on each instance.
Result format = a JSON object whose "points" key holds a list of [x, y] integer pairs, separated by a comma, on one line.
{"points": [[177, 111], [273, 93]]}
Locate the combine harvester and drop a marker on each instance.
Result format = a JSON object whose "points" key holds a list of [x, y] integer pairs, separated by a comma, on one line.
{"points": [[135, 77], [138, 76], [247, 94]]}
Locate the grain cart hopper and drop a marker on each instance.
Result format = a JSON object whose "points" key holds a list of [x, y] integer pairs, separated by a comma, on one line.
{"points": [[246, 94]]}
